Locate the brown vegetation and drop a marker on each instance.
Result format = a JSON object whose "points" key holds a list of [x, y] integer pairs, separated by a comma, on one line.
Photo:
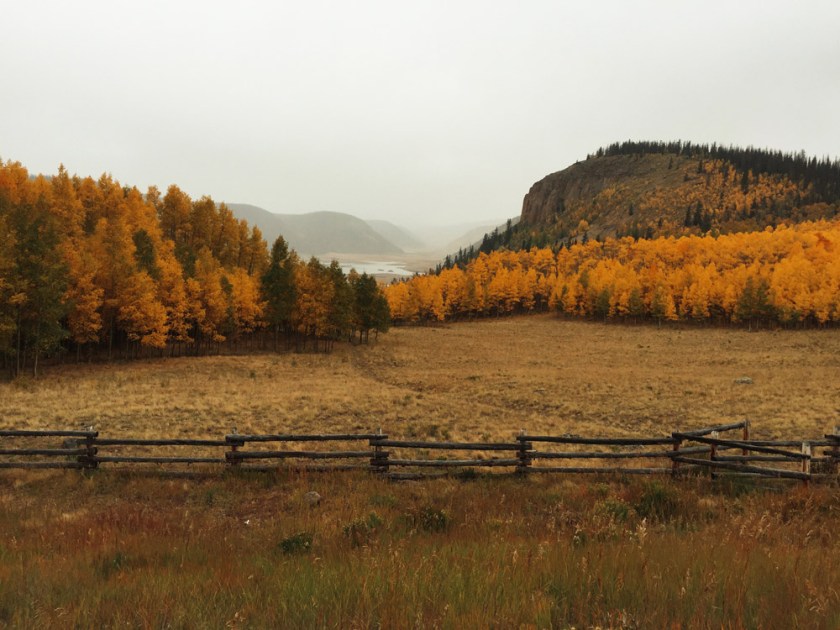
{"points": [[484, 380], [249, 550]]}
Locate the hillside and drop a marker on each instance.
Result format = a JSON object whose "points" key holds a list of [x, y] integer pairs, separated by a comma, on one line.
{"points": [[399, 236], [658, 189], [317, 233]]}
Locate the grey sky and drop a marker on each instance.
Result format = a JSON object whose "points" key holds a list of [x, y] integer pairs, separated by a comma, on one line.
{"points": [[425, 112]]}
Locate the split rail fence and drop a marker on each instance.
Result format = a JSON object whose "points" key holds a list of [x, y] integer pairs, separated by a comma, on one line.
{"points": [[683, 452]]}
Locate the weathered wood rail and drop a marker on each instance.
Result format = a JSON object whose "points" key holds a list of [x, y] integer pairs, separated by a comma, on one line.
{"points": [[685, 452], [295, 458], [75, 451], [417, 456], [614, 443]]}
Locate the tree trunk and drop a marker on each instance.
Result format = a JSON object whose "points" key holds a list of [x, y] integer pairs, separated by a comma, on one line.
{"points": [[111, 339], [18, 368], [37, 349]]}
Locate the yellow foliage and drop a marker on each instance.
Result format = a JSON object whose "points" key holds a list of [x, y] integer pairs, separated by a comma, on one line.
{"points": [[787, 274]]}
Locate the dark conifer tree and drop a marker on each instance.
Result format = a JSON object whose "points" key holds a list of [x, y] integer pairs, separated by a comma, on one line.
{"points": [[278, 289]]}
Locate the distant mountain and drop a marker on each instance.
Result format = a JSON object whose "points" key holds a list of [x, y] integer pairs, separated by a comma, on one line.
{"points": [[399, 236], [474, 236], [317, 233], [440, 238]]}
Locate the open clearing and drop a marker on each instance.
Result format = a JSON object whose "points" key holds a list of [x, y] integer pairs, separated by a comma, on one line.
{"points": [[465, 381], [242, 549]]}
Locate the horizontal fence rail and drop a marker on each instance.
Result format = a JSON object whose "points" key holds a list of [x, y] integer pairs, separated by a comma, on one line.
{"points": [[416, 459], [545, 441], [296, 458], [73, 450], [576, 439], [683, 452]]}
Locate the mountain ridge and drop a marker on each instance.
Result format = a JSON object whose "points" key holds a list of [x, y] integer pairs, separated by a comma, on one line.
{"points": [[650, 189], [317, 233], [398, 235]]}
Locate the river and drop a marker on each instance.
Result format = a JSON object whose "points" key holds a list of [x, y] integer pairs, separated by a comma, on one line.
{"points": [[373, 268]]}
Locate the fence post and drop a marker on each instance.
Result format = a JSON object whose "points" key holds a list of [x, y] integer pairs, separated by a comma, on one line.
{"points": [[806, 461], [675, 465], [745, 451], [234, 446], [379, 461], [522, 453], [713, 454], [89, 458]]}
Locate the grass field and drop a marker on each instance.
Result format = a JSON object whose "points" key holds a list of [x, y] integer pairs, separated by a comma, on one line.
{"points": [[462, 381], [112, 549]]}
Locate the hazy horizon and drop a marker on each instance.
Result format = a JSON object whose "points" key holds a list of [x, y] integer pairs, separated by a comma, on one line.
{"points": [[434, 113], [407, 222]]}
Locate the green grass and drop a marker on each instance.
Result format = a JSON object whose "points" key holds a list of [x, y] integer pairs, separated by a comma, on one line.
{"points": [[112, 550]]}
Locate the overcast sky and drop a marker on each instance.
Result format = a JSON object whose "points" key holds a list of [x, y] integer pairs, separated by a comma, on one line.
{"points": [[421, 112]]}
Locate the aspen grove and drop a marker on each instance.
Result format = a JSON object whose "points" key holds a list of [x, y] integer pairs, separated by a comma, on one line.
{"points": [[99, 269], [782, 276]]}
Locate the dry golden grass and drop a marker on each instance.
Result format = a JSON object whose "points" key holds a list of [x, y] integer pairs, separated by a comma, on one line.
{"points": [[482, 380], [239, 549]]}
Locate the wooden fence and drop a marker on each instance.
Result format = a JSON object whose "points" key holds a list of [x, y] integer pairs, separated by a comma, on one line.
{"points": [[683, 452]]}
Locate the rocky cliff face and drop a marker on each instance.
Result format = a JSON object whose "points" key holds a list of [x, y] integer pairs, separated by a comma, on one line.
{"points": [[659, 194], [622, 178]]}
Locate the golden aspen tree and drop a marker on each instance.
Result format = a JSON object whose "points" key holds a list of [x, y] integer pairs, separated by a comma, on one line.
{"points": [[243, 247], [555, 296], [398, 295], [139, 312], [571, 296], [203, 222], [429, 298], [476, 286], [112, 247], [662, 304], [529, 289], [210, 296], [247, 305], [174, 214], [196, 315], [66, 205], [792, 285], [14, 182], [313, 299], [223, 240], [257, 259], [498, 289], [84, 298], [453, 288], [626, 297], [172, 293]]}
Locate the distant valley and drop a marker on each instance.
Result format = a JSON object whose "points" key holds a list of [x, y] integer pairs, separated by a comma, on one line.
{"points": [[376, 245], [318, 233]]}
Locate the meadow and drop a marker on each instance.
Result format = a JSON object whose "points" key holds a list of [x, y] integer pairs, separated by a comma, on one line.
{"points": [[111, 549], [487, 379]]}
